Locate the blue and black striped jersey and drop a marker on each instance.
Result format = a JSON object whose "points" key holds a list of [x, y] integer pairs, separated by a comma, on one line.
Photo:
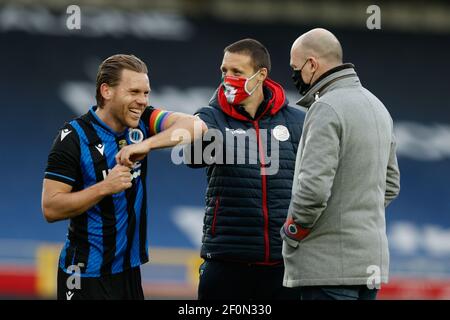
{"points": [[111, 236]]}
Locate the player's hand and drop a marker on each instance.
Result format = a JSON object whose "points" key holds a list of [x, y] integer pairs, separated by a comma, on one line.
{"points": [[117, 180], [128, 155]]}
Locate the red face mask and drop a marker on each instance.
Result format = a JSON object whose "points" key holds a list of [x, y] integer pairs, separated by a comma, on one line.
{"points": [[235, 88]]}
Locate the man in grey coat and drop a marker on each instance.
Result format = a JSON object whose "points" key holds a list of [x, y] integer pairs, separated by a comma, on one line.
{"points": [[346, 173]]}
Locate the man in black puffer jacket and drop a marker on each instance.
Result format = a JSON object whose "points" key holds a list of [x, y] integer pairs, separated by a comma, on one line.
{"points": [[249, 183]]}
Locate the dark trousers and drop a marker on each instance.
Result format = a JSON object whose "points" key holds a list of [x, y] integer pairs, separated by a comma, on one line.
{"points": [[221, 280], [121, 286], [338, 293]]}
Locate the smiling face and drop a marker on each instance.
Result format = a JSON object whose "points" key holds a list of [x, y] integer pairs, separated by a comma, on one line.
{"points": [[126, 101]]}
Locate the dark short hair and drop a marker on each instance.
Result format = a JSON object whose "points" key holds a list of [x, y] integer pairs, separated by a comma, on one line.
{"points": [[110, 71], [258, 53]]}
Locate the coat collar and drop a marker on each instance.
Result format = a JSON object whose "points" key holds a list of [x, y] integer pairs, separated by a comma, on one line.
{"points": [[324, 82]]}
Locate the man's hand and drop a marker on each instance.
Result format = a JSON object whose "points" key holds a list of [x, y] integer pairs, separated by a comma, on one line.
{"points": [[293, 230], [118, 179], [60, 202], [128, 155]]}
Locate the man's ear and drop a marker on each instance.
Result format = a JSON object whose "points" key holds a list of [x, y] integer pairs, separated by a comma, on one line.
{"points": [[263, 74], [314, 64], [106, 91]]}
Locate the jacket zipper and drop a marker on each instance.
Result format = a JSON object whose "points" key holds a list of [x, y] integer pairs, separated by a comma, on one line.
{"points": [[216, 208], [264, 194]]}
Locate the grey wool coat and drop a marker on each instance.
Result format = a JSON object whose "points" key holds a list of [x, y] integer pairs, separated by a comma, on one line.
{"points": [[346, 173]]}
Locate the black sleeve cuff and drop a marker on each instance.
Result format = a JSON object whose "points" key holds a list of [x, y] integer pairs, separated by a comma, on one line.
{"points": [[60, 178]]}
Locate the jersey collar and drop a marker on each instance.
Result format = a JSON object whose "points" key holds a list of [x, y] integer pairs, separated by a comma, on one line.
{"points": [[95, 118]]}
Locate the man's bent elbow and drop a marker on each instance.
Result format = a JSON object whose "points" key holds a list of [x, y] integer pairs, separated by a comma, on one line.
{"points": [[49, 212]]}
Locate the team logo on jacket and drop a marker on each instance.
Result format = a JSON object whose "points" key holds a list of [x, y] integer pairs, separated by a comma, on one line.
{"points": [[235, 131], [281, 133]]}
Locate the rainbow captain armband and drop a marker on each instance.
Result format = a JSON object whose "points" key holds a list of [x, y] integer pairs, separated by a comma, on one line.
{"points": [[294, 231], [157, 120]]}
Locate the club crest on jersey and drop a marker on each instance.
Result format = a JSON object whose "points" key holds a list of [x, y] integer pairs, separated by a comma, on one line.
{"points": [[135, 135]]}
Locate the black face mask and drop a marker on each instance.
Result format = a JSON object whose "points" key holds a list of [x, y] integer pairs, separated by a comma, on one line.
{"points": [[301, 86]]}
